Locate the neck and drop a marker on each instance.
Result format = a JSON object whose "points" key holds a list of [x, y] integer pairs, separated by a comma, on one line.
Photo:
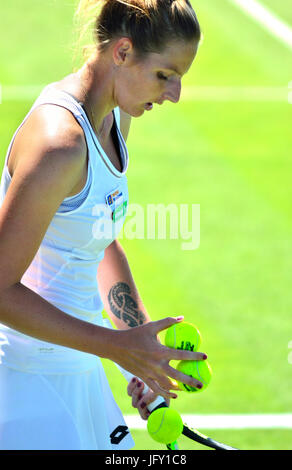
{"points": [[96, 81]]}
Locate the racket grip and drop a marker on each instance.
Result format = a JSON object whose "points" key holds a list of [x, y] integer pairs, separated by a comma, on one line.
{"points": [[159, 402]]}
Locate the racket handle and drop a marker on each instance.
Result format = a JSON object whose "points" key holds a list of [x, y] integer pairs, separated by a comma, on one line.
{"points": [[159, 401]]}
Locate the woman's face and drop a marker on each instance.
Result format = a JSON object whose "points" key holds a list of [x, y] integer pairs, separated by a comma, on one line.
{"points": [[154, 79]]}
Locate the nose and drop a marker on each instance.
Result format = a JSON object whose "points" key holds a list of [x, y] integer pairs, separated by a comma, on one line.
{"points": [[173, 92]]}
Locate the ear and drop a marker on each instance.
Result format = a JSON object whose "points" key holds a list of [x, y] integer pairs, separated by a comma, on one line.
{"points": [[122, 51]]}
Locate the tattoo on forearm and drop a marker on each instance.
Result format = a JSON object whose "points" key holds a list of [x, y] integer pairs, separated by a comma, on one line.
{"points": [[124, 306]]}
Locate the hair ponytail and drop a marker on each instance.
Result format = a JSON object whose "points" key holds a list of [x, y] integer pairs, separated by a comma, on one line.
{"points": [[150, 24]]}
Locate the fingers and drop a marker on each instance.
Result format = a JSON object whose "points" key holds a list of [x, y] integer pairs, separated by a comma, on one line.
{"points": [[186, 379], [170, 353], [149, 359], [161, 325], [177, 355], [165, 380], [135, 390], [182, 355], [132, 385], [159, 388], [141, 400]]}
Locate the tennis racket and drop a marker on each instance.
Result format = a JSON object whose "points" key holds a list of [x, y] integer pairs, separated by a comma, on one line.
{"points": [[192, 434], [196, 436]]}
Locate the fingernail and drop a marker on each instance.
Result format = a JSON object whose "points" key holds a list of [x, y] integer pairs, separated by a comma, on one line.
{"points": [[180, 318], [139, 384], [205, 356], [199, 386], [134, 380], [143, 404]]}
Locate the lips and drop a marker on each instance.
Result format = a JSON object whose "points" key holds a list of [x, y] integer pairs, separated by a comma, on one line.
{"points": [[148, 106]]}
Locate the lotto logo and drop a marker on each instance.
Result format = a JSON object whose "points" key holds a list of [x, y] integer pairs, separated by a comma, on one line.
{"points": [[119, 434]]}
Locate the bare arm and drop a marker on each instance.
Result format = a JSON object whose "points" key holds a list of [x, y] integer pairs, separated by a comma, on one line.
{"points": [[118, 290], [47, 170], [125, 308]]}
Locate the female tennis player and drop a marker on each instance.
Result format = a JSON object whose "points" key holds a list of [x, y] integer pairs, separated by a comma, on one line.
{"points": [[63, 200]]}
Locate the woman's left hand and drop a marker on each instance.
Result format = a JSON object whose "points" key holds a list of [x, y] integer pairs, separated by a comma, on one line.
{"points": [[135, 390]]}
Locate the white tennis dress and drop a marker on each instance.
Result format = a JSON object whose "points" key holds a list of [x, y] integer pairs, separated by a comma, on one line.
{"points": [[52, 397]]}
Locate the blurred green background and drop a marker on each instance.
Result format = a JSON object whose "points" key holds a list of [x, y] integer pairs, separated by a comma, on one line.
{"points": [[224, 149]]}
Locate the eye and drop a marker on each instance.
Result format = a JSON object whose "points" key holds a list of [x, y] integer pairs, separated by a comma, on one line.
{"points": [[161, 76]]}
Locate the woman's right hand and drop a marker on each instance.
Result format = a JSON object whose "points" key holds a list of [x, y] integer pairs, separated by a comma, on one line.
{"points": [[139, 351]]}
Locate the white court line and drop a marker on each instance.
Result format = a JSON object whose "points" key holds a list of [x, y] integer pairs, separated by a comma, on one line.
{"points": [[189, 93], [267, 19], [225, 421]]}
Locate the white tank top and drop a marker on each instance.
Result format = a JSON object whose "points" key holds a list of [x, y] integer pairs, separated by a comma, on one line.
{"points": [[64, 269]]}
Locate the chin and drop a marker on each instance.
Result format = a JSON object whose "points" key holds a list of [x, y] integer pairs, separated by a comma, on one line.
{"points": [[138, 113], [133, 112]]}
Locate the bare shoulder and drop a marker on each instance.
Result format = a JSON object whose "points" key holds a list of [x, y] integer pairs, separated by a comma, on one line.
{"points": [[125, 123], [50, 132]]}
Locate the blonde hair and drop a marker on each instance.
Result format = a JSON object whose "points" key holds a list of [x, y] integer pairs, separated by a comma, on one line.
{"points": [[150, 24]]}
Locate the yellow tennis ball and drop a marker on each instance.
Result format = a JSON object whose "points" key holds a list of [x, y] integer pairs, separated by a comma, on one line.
{"points": [[183, 336], [199, 370], [164, 425]]}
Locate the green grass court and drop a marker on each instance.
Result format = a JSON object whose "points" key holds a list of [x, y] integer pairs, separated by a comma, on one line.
{"points": [[233, 157]]}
